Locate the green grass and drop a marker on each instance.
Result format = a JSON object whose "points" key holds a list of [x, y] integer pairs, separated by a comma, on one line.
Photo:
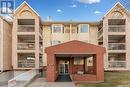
{"points": [[112, 79]]}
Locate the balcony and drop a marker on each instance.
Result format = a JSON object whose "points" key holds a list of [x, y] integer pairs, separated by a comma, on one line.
{"points": [[117, 64], [116, 28], [100, 32], [26, 63], [26, 60], [116, 46], [40, 47], [26, 28], [40, 60], [40, 31], [26, 46]]}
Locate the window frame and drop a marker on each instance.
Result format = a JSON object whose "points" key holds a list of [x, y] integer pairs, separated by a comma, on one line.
{"points": [[80, 28], [57, 25], [78, 61]]}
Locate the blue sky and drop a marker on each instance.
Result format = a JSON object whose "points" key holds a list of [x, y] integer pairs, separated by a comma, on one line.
{"points": [[65, 10]]}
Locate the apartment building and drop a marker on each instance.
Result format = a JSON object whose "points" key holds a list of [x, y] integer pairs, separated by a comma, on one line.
{"points": [[26, 38], [114, 36], [67, 47], [5, 44]]}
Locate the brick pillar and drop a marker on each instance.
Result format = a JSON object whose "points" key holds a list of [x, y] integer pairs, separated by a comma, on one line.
{"points": [[51, 67], [71, 65], [100, 67]]}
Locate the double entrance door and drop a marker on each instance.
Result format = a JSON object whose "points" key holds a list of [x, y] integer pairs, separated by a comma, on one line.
{"points": [[63, 67]]}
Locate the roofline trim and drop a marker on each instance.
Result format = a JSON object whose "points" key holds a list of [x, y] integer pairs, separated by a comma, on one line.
{"points": [[81, 22], [114, 7], [28, 6]]}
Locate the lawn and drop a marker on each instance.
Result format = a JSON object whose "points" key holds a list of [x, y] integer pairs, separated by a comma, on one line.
{"points": [[112, 79]]}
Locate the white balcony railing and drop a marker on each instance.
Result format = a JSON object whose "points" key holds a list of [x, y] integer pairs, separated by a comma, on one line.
{"points": [[28, 63], [26, 28], [117, 64], [26, 46], [100, 32], [116, 46], [116, 28]]}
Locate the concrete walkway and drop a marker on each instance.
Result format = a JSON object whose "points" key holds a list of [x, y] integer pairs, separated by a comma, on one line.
{"points": [[4, 77], [40, 82]]}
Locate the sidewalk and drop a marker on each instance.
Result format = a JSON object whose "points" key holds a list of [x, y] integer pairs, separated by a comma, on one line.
{"points": [[40, 82]]}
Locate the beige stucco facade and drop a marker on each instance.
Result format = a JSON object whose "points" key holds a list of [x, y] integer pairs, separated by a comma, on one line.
{"points": [[115, 38], [26, 39], [71, 31], [5, 45]]}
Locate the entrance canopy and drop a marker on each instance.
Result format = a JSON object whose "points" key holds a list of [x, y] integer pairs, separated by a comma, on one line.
{"points": [[69, 51], [75, 47]]}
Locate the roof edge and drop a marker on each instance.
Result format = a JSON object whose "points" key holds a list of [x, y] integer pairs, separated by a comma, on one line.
{"points": [[75, 41], [28, 6], [118, 3]]}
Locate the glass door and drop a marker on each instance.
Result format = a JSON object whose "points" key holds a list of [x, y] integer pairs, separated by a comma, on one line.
{"points": [[64, 67]]}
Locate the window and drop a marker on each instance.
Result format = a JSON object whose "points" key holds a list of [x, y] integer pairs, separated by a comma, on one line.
{"points": [[73, 30], [55, 42], [67, 30], [84, 28], [78, 61], [57, 28], [89, 61], [117, 15]]}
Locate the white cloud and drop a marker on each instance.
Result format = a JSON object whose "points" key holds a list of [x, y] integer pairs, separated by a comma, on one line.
{"points": [[59, 10], [89, 1], [74, 6], [97, 12]]}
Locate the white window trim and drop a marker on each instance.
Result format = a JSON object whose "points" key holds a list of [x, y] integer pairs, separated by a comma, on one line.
{"points": [[61, 25], [79, 30]]}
